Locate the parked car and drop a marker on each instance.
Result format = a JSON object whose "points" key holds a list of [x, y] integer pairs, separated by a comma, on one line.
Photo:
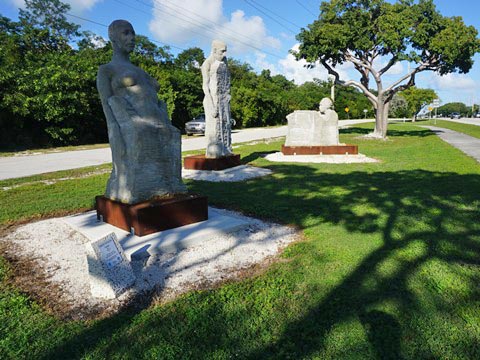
{"points": [[455, 115], [477, 115], [196, 125]]}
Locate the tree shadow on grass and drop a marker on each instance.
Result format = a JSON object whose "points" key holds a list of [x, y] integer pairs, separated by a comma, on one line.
{"points": [[419, 218], [254, 156], [390, 132]]}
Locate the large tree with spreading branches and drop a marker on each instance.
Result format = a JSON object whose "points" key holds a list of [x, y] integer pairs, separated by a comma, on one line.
{"points": [[366, 33]]}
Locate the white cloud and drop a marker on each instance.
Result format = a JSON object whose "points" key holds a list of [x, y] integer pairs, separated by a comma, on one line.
{"points": [[203, 21], [453, 82], [396, 69], [76, 5], [296, 70], [18, 3]]}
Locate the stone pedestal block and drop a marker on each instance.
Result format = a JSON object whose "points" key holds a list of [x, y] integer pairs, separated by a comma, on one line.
{"points": [[320, 150], [311, 128], [154, 215], [200, 162]]}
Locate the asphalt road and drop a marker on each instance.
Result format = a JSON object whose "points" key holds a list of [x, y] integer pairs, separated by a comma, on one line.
{"points": [[27, 165]]}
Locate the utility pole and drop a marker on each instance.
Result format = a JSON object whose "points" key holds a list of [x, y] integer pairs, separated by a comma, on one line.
{"points": [[332, 88], [473, 104]]}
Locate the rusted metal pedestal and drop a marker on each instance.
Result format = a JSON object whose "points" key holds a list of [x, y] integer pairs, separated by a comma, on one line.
{"points": [[320, 150], [200, 162], [154, 215]]}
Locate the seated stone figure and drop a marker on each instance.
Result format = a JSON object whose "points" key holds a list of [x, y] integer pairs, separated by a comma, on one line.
{"points": [[313, 128], [146, 147], [330, 122]]}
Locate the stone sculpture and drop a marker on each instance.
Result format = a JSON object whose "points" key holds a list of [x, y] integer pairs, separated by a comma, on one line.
{"points": [[146, 147], [330, 122], [313, 128], [216, 86]]}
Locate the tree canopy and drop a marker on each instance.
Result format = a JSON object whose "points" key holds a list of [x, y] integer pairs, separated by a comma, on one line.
{"points": [[417, 99], [366, 33]]}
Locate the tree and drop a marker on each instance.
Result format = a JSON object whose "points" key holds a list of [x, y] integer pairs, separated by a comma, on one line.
{"points": [[191, 58], [449, 108], [417, 99], [398, 107], [367, 32], [45, 26]]}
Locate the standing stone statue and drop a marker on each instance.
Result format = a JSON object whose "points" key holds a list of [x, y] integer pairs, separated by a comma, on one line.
{"points": [[216, 86], [146, 148]]}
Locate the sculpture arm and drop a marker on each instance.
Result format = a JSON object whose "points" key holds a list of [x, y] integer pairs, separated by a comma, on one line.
{"points": [[206, 87], [105, 92]]}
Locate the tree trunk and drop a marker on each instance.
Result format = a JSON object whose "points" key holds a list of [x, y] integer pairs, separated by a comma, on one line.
{"points": [[381, 120]]}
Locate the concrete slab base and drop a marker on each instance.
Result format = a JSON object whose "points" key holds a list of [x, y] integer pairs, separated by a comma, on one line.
{"points": [[237, 173], [166, 241]]}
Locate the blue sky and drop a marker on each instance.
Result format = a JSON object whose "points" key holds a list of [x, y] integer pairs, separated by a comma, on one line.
{"points": [[260, 32]]}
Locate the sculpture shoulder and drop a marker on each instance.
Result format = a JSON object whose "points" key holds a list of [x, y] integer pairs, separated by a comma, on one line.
{"points": [[331, 114], [105, 70], [104, 76], [207, 64]]}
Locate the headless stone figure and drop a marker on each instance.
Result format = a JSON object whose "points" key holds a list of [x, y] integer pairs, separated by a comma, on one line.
{"points": [[146, 147], [216, 86]]}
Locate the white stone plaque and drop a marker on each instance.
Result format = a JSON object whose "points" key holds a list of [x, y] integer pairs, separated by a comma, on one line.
{"points": [[110, 271], [110, 254]]}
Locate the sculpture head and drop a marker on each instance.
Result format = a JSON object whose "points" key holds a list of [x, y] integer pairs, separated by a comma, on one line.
{"points": [[122, 36], [325, 104], [219, 49]]}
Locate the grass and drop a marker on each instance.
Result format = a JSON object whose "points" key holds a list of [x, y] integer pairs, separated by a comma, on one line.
{"points": [[472, 130], [389, 267]]}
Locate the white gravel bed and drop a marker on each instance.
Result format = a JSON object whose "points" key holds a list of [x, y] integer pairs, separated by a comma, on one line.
{"points": [[237, 173], [332, 159], [61, 253]]}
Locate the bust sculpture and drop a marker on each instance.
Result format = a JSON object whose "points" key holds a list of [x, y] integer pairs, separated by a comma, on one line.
{"points": [[146, 147], [216, 103]]}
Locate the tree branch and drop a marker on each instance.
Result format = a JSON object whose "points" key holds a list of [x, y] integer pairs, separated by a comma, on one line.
{"points": [[360, 86], [410, 75], [392, 62]]}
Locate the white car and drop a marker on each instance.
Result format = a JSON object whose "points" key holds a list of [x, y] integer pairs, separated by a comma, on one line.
{"points": [[196, 125]]}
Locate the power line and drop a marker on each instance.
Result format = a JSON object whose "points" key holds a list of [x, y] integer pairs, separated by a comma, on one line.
{"points": [[197, 24], [91, 21], [256, 5], [303, 6], [106, 26], [167, 20], [174, 15], [206, 19]]}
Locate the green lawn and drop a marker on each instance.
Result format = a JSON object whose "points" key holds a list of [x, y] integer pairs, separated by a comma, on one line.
{"points": [[389, 266]]}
